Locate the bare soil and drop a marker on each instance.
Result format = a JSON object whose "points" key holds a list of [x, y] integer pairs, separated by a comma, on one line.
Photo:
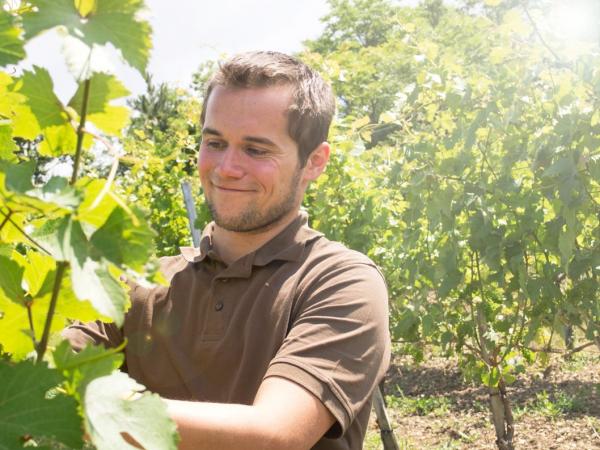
{"points": [[556, 407]]}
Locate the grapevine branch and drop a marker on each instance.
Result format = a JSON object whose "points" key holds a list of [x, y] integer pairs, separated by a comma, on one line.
{"points": [[484, 154], [510, 429], [490, 360], [81, 129], [60, 271], [516, 335], [539, 35], [30, 318], [565, 355], [62, 265], [20, 230], [589, 194], [6, 219], [472, 310]]}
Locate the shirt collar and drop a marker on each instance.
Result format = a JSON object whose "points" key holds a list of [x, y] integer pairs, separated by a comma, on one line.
{"points": [[288, 245]]}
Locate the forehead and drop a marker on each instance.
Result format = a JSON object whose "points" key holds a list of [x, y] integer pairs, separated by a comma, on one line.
{"points": [[266, 103]]}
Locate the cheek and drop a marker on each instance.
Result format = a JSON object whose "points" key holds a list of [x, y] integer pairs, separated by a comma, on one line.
{"points": [[205, 163], [266, 173]]}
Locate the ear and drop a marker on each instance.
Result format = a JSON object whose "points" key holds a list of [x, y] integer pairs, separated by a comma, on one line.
{"points": [[317, 161]]}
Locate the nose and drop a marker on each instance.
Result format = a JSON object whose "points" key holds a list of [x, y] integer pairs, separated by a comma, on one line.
{"points": [[229, 164]]}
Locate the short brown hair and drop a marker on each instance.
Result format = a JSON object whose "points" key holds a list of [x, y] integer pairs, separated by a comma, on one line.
{"points": [[313, 104]]}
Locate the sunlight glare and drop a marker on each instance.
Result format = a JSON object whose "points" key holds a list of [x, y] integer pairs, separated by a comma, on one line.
{"points": [[575, 20]]}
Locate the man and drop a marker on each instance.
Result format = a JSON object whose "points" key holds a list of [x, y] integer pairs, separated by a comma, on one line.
{"points": [[269, 336]]}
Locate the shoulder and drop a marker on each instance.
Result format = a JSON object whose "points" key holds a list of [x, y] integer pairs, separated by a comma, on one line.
{"points": [[170, 265], [322, 254], [332, 274]]}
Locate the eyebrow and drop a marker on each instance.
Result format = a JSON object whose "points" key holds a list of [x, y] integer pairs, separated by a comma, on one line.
{"points": [[255, 139]]}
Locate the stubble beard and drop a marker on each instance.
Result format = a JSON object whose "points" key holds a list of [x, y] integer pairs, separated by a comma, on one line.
{"points": [[255, 221]]}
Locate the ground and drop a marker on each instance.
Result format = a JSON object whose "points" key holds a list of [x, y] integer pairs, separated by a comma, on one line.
{"points": [[556, 406]]}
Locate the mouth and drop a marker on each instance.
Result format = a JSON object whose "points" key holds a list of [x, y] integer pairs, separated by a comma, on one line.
{"points": [[230, 189]]}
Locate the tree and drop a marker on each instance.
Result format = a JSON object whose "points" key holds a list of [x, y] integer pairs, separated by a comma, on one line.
{"points": [[162, 144]]}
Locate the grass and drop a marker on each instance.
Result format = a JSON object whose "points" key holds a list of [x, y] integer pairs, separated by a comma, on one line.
{"points": [[420, 406], [552, 406], [578, 362], [373, 442]]}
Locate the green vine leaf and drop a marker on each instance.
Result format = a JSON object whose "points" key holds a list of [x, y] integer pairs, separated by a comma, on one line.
{"points": [[15, 334], [38, 276], [64, 239], [50, 14], [58, 191], [113, 405], [58, 140], [566, 245], [38, 89], [82, 367], [55, 198], [7, 144], [91, 211], [104, 88], [27, 412], [10, 232], [111, 21], [93, 281], [14, 110], [19, 176], [124, 239], [11, 44], [11, 276], [38, 272]]}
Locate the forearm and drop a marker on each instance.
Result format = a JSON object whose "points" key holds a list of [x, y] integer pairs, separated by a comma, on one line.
{"points": [[284, 416], [222, 426]]}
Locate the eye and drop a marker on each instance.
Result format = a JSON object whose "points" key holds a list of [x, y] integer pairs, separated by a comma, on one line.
{"points": [[253, 151], [214, 144]]}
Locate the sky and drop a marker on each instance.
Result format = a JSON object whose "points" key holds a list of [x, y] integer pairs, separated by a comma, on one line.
{"points": [[187, 32]]}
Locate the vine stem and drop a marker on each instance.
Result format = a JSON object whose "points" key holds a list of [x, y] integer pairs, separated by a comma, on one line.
{"points": [[6, 219], [60, 271], [31, 326], [472, 311], [539, 35], [20, 230], [61, 266], [81, 129]]}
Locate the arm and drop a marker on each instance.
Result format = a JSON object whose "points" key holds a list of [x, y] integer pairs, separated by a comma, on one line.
{"points": [[284, 416]]}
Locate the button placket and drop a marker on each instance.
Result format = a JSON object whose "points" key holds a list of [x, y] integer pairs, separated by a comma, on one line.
{"points": [[219, 305], [215, 320]]}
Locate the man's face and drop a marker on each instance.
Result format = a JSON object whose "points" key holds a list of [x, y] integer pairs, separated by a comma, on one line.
{"points": [[248, 163]]}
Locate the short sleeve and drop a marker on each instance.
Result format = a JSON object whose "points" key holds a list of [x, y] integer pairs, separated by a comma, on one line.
{"points": [[98, 333], [338, 346]]}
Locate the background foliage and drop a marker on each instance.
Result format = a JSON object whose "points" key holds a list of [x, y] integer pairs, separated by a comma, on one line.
{"points": [[469, 157]]}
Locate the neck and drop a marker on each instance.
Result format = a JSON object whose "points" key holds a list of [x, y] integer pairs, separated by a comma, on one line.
{"points": [[232, 245]]}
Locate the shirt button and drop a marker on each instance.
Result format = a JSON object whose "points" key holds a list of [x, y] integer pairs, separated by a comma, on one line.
{"points": [[218, 306]]}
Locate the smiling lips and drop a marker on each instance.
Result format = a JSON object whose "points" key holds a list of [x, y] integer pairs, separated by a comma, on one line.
{"points": [[230, 189]]}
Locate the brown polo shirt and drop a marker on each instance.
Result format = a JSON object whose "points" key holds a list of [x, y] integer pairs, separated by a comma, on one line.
{"points": [[300, 307]]}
